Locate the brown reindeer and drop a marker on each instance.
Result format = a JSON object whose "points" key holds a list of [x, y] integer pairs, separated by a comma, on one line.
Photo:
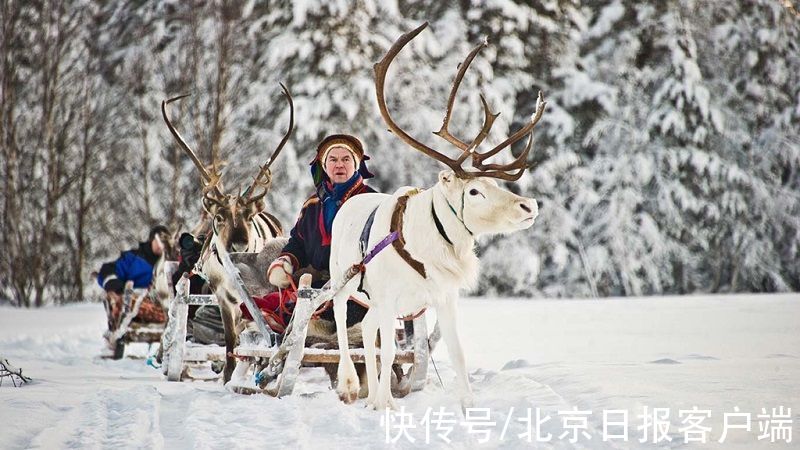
{"points": [[239, 224]]}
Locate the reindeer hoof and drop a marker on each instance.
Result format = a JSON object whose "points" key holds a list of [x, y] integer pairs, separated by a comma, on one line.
{"points": [[401, 384], [347, 383], [348, 390], [382, 403], [348, 397]]}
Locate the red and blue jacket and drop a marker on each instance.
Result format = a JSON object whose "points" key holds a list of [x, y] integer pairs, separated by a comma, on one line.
{"points": [[310, 239]]}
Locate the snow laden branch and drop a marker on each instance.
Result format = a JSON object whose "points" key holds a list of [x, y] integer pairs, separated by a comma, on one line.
{"points": [[12, 373]]}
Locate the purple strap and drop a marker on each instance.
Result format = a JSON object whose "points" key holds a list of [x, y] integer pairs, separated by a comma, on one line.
{"points": [[380, 246]]}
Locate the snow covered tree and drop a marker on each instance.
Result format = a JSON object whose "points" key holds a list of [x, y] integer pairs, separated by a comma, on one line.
{"points": [[667, 160], [610, 245], [41, 82], [527, 43], [752, 48]]}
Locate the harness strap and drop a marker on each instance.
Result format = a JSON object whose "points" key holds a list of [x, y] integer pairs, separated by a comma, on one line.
{"points": [[390, 239], [216, 254], [363, 242], [364, 239], [439, 225], [205, 252], [272, 223], [399, 244], [257, 228]]}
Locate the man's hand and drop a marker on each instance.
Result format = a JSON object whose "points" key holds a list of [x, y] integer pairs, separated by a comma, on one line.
{"points": [[280, 272]]}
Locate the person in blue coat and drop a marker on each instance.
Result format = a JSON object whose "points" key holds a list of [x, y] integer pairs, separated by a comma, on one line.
{"points": [[135, 265]]}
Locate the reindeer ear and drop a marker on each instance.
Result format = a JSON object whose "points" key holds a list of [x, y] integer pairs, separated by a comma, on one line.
{"points": [[210, 207], [256, 207], [446, 176]]}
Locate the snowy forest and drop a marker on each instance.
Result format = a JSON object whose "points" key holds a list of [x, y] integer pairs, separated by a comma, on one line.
{"points": [[667, 161]]}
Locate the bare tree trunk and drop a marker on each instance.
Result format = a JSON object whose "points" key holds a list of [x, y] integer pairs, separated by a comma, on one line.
{"points": [[148, 207], [220, 91], [14, 250], [82, 212], [8, 146], [49, 80], [735, 262], [193, 68], [587, 270], [175, 159], [57, 32]]}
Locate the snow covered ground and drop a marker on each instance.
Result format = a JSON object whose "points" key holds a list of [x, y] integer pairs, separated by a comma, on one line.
{"points": [[568, 361]]}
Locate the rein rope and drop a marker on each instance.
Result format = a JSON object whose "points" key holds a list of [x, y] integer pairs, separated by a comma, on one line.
{"points": [[461, 218]]}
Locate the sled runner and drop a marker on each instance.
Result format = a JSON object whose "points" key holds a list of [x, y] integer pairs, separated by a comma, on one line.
{"points": [[277, 358], [178, 354]]}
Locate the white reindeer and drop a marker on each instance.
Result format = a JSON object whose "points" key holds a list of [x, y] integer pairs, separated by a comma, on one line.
{"points": [[239, 224], [433, 258]]}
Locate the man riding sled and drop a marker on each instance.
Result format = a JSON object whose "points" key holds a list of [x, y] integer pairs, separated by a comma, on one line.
{"points": [[339, 171]]}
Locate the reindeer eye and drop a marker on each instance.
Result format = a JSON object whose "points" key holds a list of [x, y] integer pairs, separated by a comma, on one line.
{"points": [[474, 192]]}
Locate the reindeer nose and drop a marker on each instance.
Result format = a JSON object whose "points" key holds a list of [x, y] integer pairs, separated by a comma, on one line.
{"points": [[529, 206]]}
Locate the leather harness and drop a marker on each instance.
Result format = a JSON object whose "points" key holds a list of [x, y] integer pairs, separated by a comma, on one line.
{"points": [[397, 241]]}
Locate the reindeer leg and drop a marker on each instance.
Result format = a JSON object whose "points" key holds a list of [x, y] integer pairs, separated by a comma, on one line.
{"points": [[226, 308], [347, 384], [447, 321], [383, 397], [369, 331]]}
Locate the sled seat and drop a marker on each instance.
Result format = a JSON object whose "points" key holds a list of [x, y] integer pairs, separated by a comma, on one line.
{"points": [[144, 332], [125, 330]]}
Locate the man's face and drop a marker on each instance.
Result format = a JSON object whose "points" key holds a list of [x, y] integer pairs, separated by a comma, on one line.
{"points": [[340, 165], [157, 245]]}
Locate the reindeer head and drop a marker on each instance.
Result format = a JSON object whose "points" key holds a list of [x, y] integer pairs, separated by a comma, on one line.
{"points": [[474, 196], [231, 217], [484, 207], [231, 214]]}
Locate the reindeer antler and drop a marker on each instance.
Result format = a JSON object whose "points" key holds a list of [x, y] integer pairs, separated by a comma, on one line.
{"points": [[210, 180], [511, 171], [260, 180]]}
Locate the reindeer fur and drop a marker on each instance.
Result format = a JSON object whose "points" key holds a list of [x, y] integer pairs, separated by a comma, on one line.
{"points": [[395, 289]]}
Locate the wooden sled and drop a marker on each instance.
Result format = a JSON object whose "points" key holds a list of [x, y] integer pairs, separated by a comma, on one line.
{"points": [[178, 354], [284, 361], [124, 331], [280, 356]]}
